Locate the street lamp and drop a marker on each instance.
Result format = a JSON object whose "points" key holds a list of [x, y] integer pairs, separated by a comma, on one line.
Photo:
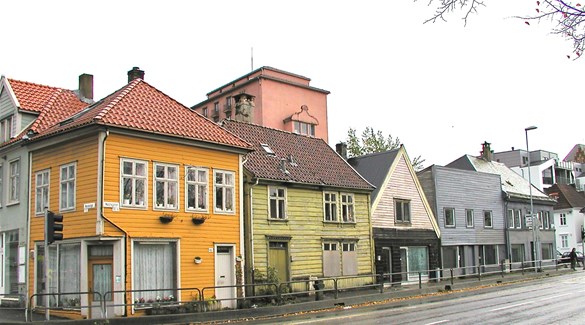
{"points": [[534, 238]]}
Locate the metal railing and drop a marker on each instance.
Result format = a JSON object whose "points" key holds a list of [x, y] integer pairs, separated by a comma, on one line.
{"points": [[205, 299]]}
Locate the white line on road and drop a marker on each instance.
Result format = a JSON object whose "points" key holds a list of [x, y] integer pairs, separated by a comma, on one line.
{"points": [[512, 306], [553, 297], [439, 322]]}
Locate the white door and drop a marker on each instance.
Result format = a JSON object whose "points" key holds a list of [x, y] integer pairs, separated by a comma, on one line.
{"points": [[225, 275]]}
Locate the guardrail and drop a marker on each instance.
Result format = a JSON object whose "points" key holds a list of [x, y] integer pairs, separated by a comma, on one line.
{"points": [[201, 300]]}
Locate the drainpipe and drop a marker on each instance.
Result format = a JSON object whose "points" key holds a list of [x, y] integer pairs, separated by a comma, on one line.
{"points": [[250, 211], [28, 221]]}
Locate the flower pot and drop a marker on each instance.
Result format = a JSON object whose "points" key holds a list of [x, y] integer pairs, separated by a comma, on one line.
{"points": [[198, 221], [165, 219]]}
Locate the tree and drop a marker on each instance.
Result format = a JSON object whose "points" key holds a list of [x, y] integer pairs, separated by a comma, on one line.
{"points": [[374, 141], [568, 17]]}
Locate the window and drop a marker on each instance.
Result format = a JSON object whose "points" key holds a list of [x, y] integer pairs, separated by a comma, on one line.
{"points": [[449, 217], [518, 219], [224, 191], [450, 257], [402, 211], [205, 113], [540, 220], [277, 198], [64, 263], [546, 219], [487, 219], [196, 184], [304, 128], [418, 260], [347, 213], [517, 253], [547, 251], [41, 191], [349, 258], [469, 222], [67, 193], [166, 186], [155, 267], [330, 200], [490, 254], [563, 219], [134, 183], [14, 195], [8, 128], [511, 218], [565, 241]]}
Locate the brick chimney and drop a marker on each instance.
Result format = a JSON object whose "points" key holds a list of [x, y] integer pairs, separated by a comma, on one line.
{"points": [[486, 152], [86, 86], [341, 149], [135, 73]]}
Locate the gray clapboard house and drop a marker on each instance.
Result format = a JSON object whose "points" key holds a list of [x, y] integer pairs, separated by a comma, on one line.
{"points": [[522, 243], [469, 210], [406, 235], [25, 108]]}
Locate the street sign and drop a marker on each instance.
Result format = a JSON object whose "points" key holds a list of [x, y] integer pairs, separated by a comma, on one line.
{"points": [[528, 221]]}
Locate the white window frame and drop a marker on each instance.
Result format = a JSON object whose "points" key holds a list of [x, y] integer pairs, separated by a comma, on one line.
{"points": [[564, 241], [70, 184], [166, 182], [510, 219], [224, 188], [44, 188], [277, 199], [331, 206], [518, 218], [546, 219], [347, 208], [403, 217], [467, 223], [197, 184], [491, 218], [133, 177], [14, 182], [563, 219], [304, 128], [453, 225]]}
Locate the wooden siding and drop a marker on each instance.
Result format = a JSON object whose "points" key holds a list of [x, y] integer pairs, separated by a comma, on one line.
{"points": [[76, 223], [401, 185], [461, 190], [306, 229], [6, 106], [194, 240]]}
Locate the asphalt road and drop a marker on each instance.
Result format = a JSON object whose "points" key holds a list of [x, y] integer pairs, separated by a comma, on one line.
{"points": [[557, 300]]}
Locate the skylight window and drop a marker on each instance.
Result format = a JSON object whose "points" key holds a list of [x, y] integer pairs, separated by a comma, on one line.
{"points": [[267, 148]]}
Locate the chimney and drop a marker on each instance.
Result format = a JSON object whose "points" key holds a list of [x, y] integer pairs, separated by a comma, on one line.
{"points": [[283, 165], [486, 151], [341, 149], [135, 73], [86, 86]]}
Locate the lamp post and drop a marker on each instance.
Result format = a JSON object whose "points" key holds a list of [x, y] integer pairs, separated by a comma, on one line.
{"points": [[534, 239]]}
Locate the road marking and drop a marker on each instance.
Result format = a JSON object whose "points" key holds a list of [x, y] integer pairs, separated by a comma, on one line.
{"points": [[512, 306], [553, 297], [439, 322]]}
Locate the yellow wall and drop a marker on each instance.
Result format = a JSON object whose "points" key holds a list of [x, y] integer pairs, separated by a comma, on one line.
{"points": [[194, 240]]}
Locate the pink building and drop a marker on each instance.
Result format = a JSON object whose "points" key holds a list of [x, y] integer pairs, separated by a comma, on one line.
{"points": [[271, 98]]}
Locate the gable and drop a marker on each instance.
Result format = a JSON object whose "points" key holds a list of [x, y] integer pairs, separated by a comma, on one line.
{"points": [[7, 105], [401, 183]]}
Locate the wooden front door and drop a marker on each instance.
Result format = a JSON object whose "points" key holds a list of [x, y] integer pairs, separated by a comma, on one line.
{"points": [[100, 280]]}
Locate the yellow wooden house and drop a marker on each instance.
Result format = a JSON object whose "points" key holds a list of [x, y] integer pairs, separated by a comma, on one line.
{"points": [[150, 196], [307, 210]]}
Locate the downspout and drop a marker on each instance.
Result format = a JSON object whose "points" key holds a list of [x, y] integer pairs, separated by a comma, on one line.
{"points": [[250, 252], [372, 243], [507, 229], [26, 267], [100, 209]]}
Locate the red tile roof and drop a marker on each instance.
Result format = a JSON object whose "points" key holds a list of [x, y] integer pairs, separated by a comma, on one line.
{"points": [[308, 160], [52, 104], [567, 196], [140, 106]]}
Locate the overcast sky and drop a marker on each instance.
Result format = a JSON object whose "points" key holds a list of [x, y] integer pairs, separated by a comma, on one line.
{"points": [[442, 88]]}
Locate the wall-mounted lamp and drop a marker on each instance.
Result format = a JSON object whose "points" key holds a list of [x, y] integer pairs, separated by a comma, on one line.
{"points": [[197, 260]]}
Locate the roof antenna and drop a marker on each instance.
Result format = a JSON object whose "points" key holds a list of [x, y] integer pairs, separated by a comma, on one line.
{"points": [[252, 58]]}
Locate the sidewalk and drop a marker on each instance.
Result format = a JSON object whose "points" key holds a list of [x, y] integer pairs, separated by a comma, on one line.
{"points": [[399, 293]]}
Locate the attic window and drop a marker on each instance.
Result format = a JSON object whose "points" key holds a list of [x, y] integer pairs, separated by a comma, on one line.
{"points": [[267, 148]]}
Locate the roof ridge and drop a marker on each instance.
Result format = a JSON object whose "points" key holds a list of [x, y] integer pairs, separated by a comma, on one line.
{"points": [[123, 92], [272, 129]]}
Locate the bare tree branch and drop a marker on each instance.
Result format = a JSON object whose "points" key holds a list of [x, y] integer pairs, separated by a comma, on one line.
{"points": [[448, 6]]}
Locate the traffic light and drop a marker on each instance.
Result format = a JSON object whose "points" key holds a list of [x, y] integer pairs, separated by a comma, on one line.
{"points": [[54, 227]]}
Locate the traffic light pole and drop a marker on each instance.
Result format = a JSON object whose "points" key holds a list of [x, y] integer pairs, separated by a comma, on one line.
{"points": [[46, 267]]}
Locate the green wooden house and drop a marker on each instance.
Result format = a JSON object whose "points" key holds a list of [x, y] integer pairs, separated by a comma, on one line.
{"points": [[307, 212]]}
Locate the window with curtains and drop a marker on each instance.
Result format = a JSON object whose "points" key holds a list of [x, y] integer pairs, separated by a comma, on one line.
{"points": [[166, 186], [224, 187], [154, 267], [64, 274], [518, 219], [347, 208], [42, 191], [14, 189], [196, 185], [330, 206], [134, 183], [67, 193]]}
